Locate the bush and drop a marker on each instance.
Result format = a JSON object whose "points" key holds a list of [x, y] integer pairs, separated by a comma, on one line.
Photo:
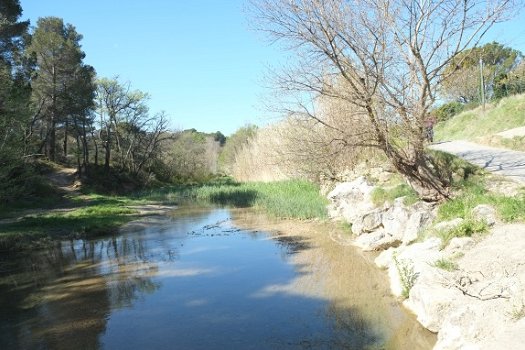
{"points": [[448, 110]]}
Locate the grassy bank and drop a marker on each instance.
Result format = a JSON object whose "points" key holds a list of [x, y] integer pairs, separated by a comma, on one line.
{"points": [[84, 216], [283, 199], [477, 124], [91, 215]]}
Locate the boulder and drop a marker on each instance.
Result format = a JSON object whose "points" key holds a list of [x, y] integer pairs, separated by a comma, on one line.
{"points": [[486, 213], [458, 245], [377, 240], [368, 222], [448, 225], [419, 220], [395, 219], [350, 200]]}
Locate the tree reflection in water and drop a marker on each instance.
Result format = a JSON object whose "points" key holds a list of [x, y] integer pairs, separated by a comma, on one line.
{"points": [[195, 280]]}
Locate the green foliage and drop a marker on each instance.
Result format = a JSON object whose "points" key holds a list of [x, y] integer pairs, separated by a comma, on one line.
{"points": [[283, 199], [22, 184], [97, 215], [451, 168], [471, 193], [506, 114], [445, 264], [407, 275], [463, 82], [233, 146], [381, 195], [466, 229], [448, 110]]}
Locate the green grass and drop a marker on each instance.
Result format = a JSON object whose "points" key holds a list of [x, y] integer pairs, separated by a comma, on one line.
{"points": [[94, 215], [284, 199], [381, 195], [467, 228], [506, 114], [445, 264], [471, 193]]}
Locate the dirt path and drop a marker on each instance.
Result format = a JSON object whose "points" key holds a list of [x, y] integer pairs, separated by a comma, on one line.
{"points": [[64, 179], [496, 160]]}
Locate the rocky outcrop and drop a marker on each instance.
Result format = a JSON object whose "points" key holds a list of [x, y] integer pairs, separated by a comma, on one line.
{"points": [[350, 200], [482, 300], [378, 228], [471, 292]]}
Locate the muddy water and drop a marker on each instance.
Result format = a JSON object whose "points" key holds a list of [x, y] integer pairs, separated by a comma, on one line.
{"points": [[203, 279]]}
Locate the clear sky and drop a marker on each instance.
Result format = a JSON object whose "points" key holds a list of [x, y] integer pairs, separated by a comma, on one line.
{"points": [[197, 59]]}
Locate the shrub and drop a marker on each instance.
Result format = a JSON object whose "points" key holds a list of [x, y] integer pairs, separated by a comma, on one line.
{"points": [[448, 110]]}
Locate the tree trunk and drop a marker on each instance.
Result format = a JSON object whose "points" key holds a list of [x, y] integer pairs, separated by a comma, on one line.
{"points": [[64, 148], [418, 172]]}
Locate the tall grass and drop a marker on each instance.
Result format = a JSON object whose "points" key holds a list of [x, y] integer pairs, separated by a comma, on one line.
{"points": [[284, 199]]}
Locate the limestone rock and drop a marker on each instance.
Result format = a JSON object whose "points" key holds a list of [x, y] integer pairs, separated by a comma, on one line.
{"points": [[349, 200], [448, 225], [486, 213], [377, 240], [368, 222], [419, 220], [395, 219]]}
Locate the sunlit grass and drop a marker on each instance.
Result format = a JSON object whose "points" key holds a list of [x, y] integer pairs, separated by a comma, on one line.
{"points": [[284, 199], [506, 114]]}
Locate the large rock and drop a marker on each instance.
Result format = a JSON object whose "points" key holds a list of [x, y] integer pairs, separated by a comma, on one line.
{"points": [[395, 219], [350, 200], [375, 241], [368, 222], [486, 213]]}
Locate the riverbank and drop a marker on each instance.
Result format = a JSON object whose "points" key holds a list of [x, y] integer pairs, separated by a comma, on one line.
{"points": [[77, 215], [457, 266]]}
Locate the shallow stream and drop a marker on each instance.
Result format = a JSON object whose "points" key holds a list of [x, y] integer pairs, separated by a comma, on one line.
{"points": [[203, 278]]}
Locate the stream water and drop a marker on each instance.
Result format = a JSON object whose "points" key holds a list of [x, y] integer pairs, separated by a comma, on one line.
{"points": [[203, 278]]}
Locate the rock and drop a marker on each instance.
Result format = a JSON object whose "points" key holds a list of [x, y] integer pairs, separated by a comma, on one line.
{"points": [[448, 225], [384, 259], [431, 301], [419, 220], [377, 240], [458, 245], [395, 219], [486, 213], [350, 200], [420, 257], [367, 222]]}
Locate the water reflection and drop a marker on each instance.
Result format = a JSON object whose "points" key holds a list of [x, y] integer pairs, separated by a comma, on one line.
{"points": [[196, 281]]}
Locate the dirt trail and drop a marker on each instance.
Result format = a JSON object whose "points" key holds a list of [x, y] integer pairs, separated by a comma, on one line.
{"points": [[64, 179], [496, 160]]}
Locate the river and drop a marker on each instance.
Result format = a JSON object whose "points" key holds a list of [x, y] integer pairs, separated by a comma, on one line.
{"points": [[203, 278]]}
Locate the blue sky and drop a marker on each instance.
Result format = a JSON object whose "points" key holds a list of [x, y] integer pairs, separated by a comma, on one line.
{"points": [[197, 59]]}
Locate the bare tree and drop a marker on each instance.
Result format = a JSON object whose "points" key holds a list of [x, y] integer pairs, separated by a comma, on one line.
{"points": [[390, 56]]}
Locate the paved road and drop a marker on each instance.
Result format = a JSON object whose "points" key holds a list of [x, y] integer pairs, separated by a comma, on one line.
{"points": [[496, 160]]}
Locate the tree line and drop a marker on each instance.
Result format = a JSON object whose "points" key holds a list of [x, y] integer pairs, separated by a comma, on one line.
{"points": [[53, 106]]}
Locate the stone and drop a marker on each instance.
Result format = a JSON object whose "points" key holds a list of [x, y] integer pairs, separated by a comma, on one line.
{"points": [[418, 221], [458, 245], [395, 219], [350, 200], [486, 213], [368, 222], [377, 240], [448, 225]]}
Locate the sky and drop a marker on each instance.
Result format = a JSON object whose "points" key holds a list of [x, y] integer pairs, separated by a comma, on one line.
{"points": [[198, 59]]}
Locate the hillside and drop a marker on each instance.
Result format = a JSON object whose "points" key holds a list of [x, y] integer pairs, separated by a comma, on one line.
{"points": [[479, 126]]}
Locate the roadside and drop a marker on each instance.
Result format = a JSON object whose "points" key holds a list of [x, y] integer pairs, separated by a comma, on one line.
{"points": [[496, 160]]}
